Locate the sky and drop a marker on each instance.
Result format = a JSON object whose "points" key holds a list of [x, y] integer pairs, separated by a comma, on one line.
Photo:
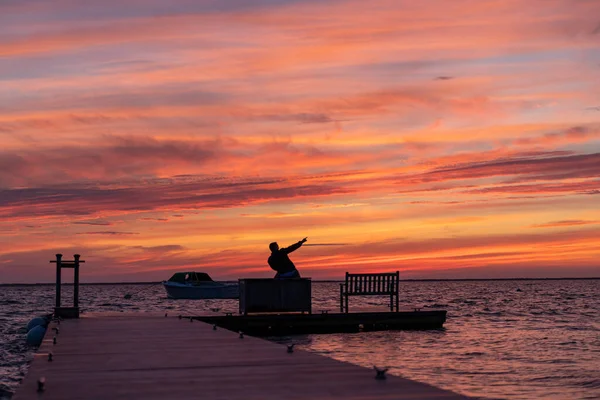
{"points": [[442, 139]]}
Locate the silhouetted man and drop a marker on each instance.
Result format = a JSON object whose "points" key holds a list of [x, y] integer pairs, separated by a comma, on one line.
{"points": [[280, 262]]}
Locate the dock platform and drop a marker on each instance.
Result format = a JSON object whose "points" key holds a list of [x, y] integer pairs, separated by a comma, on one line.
{"points": [[138, 356], [304, 323]]}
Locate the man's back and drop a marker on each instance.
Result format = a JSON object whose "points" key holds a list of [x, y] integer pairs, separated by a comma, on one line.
{"points": [[280, 262]]}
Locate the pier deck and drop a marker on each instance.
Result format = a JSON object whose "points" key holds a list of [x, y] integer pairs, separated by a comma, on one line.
{"points": [[137, 356]]}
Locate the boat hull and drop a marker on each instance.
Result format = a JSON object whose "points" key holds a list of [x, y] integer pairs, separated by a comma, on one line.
{"points": [[212, 290]]}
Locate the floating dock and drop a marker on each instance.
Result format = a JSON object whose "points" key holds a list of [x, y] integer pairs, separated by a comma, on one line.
{"points": [[142, 356], [325, 322]]}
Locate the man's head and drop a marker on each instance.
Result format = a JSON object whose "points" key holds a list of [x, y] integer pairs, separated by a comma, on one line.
{"points": [[274, 247]]}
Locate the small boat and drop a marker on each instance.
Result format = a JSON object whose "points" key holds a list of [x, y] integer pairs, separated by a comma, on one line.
{"points": [[198, 285]]}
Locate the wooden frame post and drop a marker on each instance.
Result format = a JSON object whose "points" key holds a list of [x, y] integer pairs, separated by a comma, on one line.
{"points": [[58, 279], [59, 310], [76, 280], [397, 291]]}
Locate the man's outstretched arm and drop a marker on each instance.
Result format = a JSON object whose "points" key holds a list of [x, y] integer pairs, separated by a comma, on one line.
{"points": [[293, 247]]}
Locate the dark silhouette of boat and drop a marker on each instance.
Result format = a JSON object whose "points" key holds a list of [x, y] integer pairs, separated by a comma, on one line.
{"points": [[199, 285]]}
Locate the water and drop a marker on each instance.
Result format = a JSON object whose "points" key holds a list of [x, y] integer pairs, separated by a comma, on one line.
{"points": [[502, 339]]}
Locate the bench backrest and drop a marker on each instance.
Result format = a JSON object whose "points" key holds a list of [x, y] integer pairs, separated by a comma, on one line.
{"points": [[372, 284]]}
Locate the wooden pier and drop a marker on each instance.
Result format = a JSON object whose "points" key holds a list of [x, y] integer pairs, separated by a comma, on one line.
{"points": [[142, 356]]}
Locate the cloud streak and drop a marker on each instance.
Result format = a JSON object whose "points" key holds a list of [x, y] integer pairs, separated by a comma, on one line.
{"points": [[565, 223], [110, 233], [538, 166]]}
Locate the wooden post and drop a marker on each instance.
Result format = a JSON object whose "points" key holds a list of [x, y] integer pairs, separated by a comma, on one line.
{"points": [[59, 310], [76, 281], [397, 291], [341, 297], [58, 279], [346, 294], [346, 302]]}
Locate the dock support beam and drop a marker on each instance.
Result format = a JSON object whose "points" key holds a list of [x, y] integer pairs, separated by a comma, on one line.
{"points": [[67, 312], [58, 279]]}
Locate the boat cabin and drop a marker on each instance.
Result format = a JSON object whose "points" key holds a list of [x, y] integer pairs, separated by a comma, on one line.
{"points": [[190, 277]]}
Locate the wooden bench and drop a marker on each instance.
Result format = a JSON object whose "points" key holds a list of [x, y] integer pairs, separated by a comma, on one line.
{"points": [[383, 284]]}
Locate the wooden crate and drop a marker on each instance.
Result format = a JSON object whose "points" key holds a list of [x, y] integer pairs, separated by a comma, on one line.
{"points": [[275, 295]]}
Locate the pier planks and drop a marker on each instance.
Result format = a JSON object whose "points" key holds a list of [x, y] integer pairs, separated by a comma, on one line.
{"points": [[137, 356]]}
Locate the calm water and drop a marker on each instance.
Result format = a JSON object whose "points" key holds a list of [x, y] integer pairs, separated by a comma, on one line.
{"points": [[502, 339]]}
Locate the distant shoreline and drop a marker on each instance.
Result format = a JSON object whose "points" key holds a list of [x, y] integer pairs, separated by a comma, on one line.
{"points": [[324, 280]]}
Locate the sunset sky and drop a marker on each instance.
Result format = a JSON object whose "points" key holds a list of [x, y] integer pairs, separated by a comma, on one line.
{"points": [[443, 139]]}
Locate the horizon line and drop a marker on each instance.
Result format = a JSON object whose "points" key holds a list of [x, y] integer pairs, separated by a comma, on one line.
{"points": [[318, 280]]}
